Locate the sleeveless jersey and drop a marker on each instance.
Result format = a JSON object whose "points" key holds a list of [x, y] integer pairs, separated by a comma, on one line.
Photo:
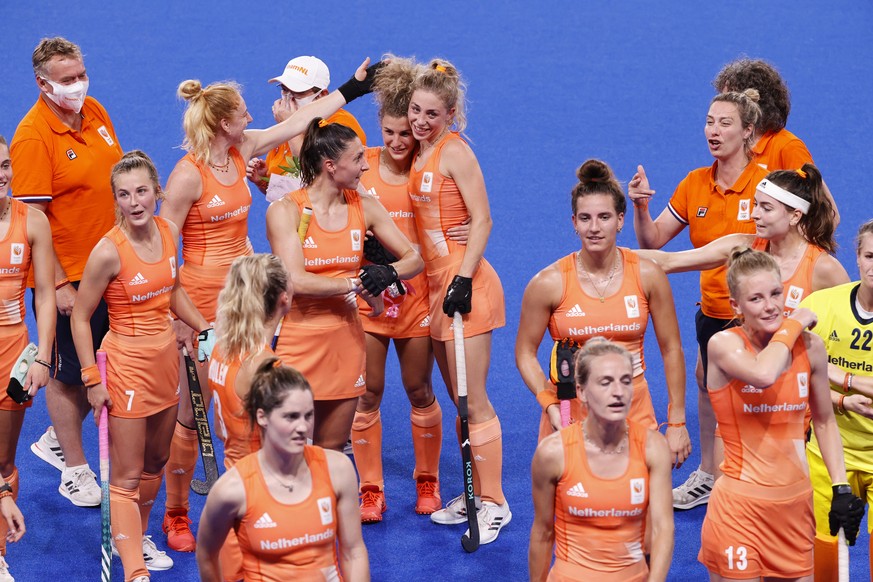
{"points": [[414, 304], [139, 296], [216, 228], [437, 203], [763, 429], [848, 338], [232, 421], [14, 265], [622, 317], [799, 284], [599, 523], [282, 541]]}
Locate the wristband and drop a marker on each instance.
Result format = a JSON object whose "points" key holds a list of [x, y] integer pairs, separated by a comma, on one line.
{"points": [[6, 490], [43, 363], [841, 488], [546, 398], [90, 376], [849, 384], [62, 283], [788, 333], [672, 424], [840, 408]]}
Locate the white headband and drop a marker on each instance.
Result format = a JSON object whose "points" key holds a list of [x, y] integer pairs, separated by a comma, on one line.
{"points": [[782, 195]]}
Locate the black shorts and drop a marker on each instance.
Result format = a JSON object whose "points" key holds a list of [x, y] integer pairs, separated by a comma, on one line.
{"points": [[65, 363], [706, 328]]}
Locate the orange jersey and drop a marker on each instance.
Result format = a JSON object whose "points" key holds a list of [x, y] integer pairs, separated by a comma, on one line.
{"points": [[438, 205], [763, 429], [711, 213], [216, 228], [781, 150], [69, 170], [14, 265], [281, 155], [599, 523], [799, 284], [233, 425], [138, 298], [622, 317], [281, 541], [405, 315]]}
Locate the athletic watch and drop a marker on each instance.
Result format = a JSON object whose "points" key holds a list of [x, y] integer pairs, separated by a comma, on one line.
{"points": [[842, 489], [5, 490]]}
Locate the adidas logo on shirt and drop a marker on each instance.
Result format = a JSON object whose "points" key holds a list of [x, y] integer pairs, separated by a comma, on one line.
{"points": [[138, 280], [834, 337], [577, 491], [362, 442], [425, 322], [427, 435], [215, 202], [265, 521], [309, 243], [575, 311], [360, 382]]}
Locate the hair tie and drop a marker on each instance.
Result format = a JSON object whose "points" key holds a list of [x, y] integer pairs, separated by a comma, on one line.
{"points": [[323, 122], [277, 363], [801, 173], [440, 68]]}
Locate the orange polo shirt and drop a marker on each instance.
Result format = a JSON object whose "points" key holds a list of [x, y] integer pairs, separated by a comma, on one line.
{"points": [[781, 150]]}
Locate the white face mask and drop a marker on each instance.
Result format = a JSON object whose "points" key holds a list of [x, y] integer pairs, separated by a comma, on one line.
{"points": [[302, 101], [70, 97]]}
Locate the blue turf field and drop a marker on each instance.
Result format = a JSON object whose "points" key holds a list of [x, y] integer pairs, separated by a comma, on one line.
{"points": [[550, 84]]}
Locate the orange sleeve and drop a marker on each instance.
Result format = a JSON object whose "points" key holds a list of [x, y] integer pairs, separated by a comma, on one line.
{"points": [[32, 164], [678, 204]]}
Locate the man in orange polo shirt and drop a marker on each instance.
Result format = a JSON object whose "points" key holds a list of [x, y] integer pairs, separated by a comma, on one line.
{"points": [[63, 151], [304, 80]]}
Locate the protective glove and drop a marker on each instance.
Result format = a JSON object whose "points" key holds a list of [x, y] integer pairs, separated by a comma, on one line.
{"points": [[376, 278], [459, 296], [205, 344], [376, 253], [847, 511], [562, 370], [352, 89]]}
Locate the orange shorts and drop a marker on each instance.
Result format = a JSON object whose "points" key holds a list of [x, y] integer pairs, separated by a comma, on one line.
{"points": [[203, 283], [563, 571], [142, 373], [404, 316], [752, 531], [13, 340], [642, 410], [488, 311], [332, 358]]}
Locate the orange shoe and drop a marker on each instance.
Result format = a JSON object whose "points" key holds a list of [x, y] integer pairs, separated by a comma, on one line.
{"points": [[372, 504], [428, 490], [178, 529]]}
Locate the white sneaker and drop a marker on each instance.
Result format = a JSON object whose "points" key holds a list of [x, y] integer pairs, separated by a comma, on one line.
{"points": [[49, 450], [491, 518], [154, 558], [454, 512], [695, 491], [347, 448], [5, 576], [142, 579], [79, 485]]}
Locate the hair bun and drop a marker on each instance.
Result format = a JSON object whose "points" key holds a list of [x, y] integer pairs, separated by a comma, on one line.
{"points": [[190, 90], [752, 94], [594, 172]]}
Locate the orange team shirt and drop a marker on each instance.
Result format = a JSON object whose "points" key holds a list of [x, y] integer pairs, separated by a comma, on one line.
{"points": [[232, 419], [277, 156], [395, 199], [710, 213], [799, 284], [763, 429], [329, 254], [138, 298], [216, 228], [622, 317], [14, 265], [599, 523], [438, 205], [781, 150], [69, 170], [281, 541]]}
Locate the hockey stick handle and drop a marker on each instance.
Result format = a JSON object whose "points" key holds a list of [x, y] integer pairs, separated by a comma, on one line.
{"points": [[565, 413], [302, 228], [103, 440], [842, 557]]}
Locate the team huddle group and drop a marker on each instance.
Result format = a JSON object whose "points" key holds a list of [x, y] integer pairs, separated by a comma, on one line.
{"points": [[378, 244]]}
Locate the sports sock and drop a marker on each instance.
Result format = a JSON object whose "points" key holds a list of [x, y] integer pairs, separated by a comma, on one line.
{"points": [[486, 441], [12, 480], [826, 559], [476, 488], [149, 485], [180, 466], [367, 446], [427, 439], [127, 530]]}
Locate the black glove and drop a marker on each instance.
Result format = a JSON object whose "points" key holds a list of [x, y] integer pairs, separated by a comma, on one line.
{"points": [[352, 89], [847, 511], [563, 368], [459, 296], [377, 278], [376, 253]]}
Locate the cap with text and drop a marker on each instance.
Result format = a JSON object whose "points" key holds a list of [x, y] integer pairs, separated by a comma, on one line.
{"points": [[304, 73]]}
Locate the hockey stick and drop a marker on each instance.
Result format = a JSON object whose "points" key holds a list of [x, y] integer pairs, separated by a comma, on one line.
{"points": [[204, 436], [469, 542], [305, 217], [106, 530], [842, 557]]}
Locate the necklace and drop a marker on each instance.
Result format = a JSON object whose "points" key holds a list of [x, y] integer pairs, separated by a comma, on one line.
{"points": [[422, 149], [290, 487], [618, 450], [601, 295], [385, 161], [225, 167], [6, 210]]}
